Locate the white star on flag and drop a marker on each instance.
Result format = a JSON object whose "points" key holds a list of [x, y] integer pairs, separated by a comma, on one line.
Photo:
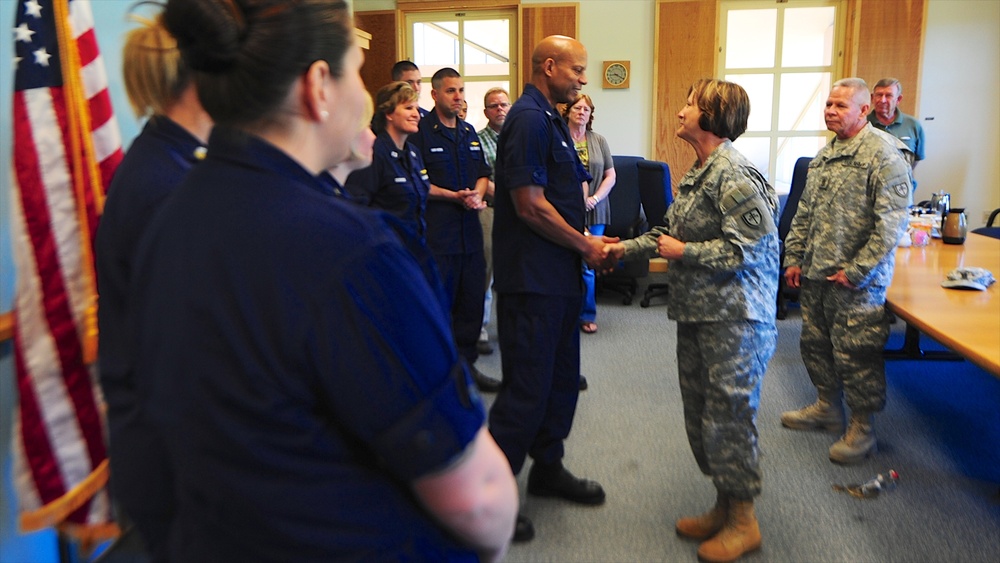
{"points": [[33, 9], [23, 33], [42, 57]]}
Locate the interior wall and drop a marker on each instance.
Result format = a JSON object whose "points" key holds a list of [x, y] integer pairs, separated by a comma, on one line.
{"points": [[614, 30], [960, 87]]}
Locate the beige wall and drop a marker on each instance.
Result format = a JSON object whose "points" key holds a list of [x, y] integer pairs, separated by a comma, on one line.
{"points": [[960, 106], [615, 30], [960, 86]]}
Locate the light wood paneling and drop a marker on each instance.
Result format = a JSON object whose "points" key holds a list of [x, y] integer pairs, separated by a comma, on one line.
{"points": [[684, 51], [382, 52], [539, 21], [453, 5], [890, 42]]}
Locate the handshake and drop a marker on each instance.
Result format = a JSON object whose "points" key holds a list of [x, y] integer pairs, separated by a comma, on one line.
{"points": [[603, 253]]}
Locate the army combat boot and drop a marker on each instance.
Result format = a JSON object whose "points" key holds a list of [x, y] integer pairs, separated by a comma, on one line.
{"points": [[706, 525], [740, 534], [857, 443], [821, 414]]}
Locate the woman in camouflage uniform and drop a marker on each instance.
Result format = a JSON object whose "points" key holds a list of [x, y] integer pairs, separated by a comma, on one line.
{"points": [[722, 243]]}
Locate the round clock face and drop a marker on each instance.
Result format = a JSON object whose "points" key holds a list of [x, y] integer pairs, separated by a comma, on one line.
{"points": [[616, 74]]}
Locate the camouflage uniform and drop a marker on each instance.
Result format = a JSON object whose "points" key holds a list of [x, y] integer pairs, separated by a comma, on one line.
{"points": [[722, 297], [852, 213]]}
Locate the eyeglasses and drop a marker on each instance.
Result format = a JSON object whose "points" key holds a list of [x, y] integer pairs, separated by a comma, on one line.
{"points": [[504, 105]]}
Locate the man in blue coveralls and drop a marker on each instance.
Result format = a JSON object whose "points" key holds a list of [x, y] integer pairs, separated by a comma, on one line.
{"points": [[459, 176], [538, 242]]}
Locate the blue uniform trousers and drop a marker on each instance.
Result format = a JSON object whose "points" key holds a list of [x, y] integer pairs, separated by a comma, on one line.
{"points": [[589, 311], [464, 279], [540, 354]]}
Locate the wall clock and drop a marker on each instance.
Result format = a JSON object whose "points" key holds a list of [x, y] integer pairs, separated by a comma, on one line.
{"points": [[616, 74]]}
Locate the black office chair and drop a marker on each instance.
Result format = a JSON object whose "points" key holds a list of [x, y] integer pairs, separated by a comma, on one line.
{"points": [[626, 222], [656, 195], [989, 230], [786, 293]]}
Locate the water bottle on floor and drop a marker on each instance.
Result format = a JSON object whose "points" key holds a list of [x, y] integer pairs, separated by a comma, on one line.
{"points": [[873, 487], [881, 482]]}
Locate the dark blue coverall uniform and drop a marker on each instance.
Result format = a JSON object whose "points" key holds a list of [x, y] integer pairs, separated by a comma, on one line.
{"points": [[455, 161], [154, 166], [297, 362], [396, 182], [538, 285]]}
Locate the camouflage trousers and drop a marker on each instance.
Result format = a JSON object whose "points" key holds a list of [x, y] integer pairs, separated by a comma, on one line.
{"points": [[843, 334], [721, 367]]}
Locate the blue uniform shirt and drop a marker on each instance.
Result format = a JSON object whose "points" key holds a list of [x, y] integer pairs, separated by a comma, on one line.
{"points": [[154, 166], [454, 160], [299, 365], [535, 148], [396, 182]]}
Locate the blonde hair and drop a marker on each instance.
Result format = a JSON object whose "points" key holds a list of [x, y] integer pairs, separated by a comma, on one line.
{"points": [[154, 73], [366, 118], [390, 96]]}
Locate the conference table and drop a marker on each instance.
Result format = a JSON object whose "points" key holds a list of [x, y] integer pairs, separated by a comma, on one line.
{"points": [[966, 321]]}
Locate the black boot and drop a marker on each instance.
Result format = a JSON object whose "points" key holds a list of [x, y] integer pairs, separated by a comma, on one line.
{"points": [[555, 481]]}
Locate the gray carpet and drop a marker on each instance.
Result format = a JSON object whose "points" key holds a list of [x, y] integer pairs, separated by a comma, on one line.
{"points": [[940, 431]]}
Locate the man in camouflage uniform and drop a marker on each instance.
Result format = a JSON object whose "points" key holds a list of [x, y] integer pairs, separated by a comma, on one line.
{"points": [[722, 243], [841, 252]]}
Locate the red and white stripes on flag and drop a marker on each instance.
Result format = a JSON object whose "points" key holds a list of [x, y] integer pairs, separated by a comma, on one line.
{"points": [[66, 148]]}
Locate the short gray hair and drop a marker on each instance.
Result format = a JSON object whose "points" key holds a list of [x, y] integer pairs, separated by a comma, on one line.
{"points": [[857, 86], [885, 82]]}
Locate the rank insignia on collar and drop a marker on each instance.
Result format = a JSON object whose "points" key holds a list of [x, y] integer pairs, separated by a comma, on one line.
{"points": [[752, 218]]}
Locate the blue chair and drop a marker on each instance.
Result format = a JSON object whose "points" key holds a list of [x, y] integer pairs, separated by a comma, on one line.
{"points": [[656, 195], [626, 222], [989, 230], [786, 293]]}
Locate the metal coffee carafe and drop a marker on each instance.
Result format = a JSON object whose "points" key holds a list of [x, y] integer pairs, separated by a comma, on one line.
{"points": [[954, 228], [940, 203]]}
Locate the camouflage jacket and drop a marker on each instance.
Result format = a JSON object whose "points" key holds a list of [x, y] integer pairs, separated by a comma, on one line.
{"points": [[853, 210], [725, 212]]}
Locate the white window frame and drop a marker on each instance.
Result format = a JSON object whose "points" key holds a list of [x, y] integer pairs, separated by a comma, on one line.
{"points": [[475, 105], [781, 178]]}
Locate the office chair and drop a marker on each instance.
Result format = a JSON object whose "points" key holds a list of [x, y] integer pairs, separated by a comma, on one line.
{"points": [[786, 293], [656, 195], [626, 222], [989, 230]]}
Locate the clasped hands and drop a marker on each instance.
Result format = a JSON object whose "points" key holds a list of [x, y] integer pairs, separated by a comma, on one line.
{"points": [[793, 278], [471, 199]]}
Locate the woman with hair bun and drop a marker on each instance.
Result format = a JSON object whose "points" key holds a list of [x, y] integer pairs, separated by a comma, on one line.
{"points": [[290, 351], [722, 243]]}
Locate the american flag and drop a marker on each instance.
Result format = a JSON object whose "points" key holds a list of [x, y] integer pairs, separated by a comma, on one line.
{"points": [[66, 147]]}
